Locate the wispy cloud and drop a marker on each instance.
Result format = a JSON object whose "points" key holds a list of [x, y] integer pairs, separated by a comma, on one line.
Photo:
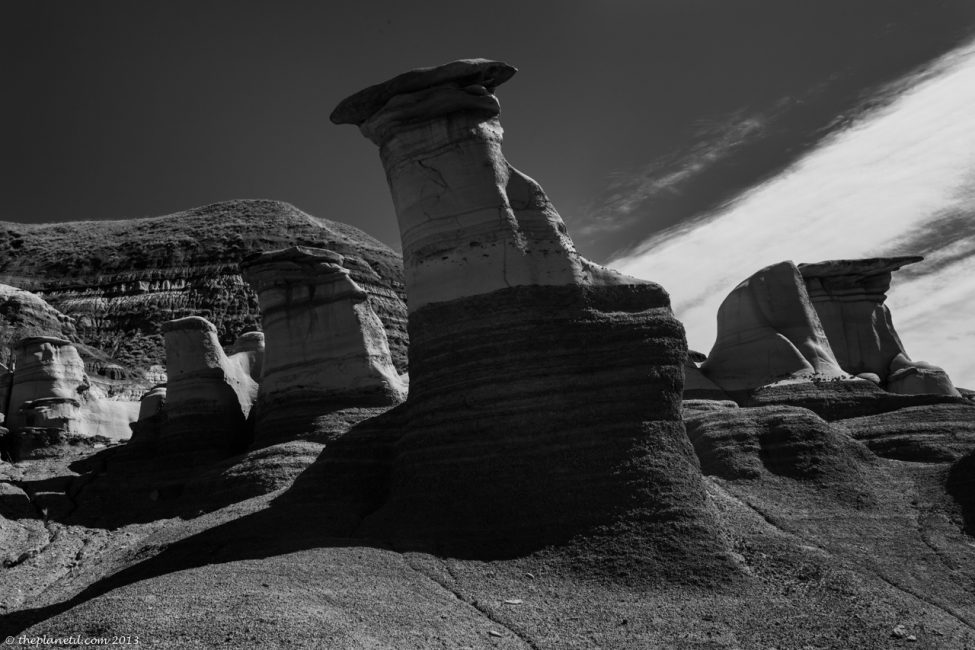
{"points": [[627, 192], [889, 180]]}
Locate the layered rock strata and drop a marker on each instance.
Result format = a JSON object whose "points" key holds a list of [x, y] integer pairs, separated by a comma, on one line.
{"points": [[769, 332], [849, 297], [119, 280], [923, 433], [325, 347], [49, 389], [544, 390], [783, 440], [208, 397]]}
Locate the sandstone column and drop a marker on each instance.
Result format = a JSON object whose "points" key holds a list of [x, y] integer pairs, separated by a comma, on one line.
{"points": [[768, 333], [325, 347], [208, 398], [544, 390], [849, 296]]}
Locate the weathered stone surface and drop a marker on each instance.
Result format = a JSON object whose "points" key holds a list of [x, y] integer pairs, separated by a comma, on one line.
{"points": [[699, 387], [925, 433], [469, 222], [849, 297], [782, 440], [248, 353], [23, 314], [768, 332], [50, 389], [461, 74], [119, 280], [152, 413], [326, 348], [694, 405], [208, 398], [544, 390], [837, 400], [918, 377]]}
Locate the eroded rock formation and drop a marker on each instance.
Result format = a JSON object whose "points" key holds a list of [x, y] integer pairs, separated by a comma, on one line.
{"points": [[151, 414], [119, 280], [544, 390], [326, 348], [248, 353], [50, 390], [769, 332], [208, 397], [849, 297]]}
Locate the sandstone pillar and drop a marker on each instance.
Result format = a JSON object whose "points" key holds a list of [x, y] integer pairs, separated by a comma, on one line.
{"points": [[208, 398], [325, 347], [849, 296], [544, 390]]}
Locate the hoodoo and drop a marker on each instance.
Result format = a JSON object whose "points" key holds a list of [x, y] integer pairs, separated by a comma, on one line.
{"points": [[768, 332], [326, 348], [49, 389], [208, 397], [849, 296], [544, 390]]}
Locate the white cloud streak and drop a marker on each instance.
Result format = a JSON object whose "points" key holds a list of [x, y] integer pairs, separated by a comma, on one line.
{"points": [[864, 191]]}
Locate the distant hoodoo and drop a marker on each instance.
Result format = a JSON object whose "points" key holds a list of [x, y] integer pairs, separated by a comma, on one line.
{"points": [[49, 389], [816, 322], [326, 349], [544, 389], [769, 332], [208, 397], [849, 296]]}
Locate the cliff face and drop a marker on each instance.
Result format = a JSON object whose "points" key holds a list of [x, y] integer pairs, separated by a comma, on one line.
{"points": [[120, 280]]}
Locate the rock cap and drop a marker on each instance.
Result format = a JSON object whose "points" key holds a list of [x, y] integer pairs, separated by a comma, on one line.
{"points": [[295, 254], [359, 107], [863, 267], [189, 323], [35, 340]]}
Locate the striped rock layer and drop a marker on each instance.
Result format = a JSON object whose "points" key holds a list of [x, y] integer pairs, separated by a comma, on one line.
{"points": [[208, 397], [545, 390], [119, 280], [849, 296], [325, 347]]}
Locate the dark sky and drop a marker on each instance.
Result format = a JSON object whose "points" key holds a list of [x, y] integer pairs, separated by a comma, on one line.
{"points": [[634, 115]]}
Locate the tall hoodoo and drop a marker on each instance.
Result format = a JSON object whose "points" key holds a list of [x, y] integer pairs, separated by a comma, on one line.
{"points": [[326, 349], [208, 397], [544, 390], [470, 223], [849, 296]]}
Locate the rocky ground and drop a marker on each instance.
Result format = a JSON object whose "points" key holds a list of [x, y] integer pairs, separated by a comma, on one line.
{"points": [[832, 547]]}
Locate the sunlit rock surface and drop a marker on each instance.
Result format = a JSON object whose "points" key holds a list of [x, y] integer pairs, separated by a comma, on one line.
{"points": [[325, 347], [248, 353], [470, 223], [49, 391], [119, 280], [768, 332], [208, 398], [544, 390], [849, 297]]}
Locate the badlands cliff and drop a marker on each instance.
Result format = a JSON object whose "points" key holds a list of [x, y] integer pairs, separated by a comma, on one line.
{"points": [[119, 280], [556, 470]]}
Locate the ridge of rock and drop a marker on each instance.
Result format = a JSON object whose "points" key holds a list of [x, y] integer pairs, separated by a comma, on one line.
{"points": [[119, 279]]}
